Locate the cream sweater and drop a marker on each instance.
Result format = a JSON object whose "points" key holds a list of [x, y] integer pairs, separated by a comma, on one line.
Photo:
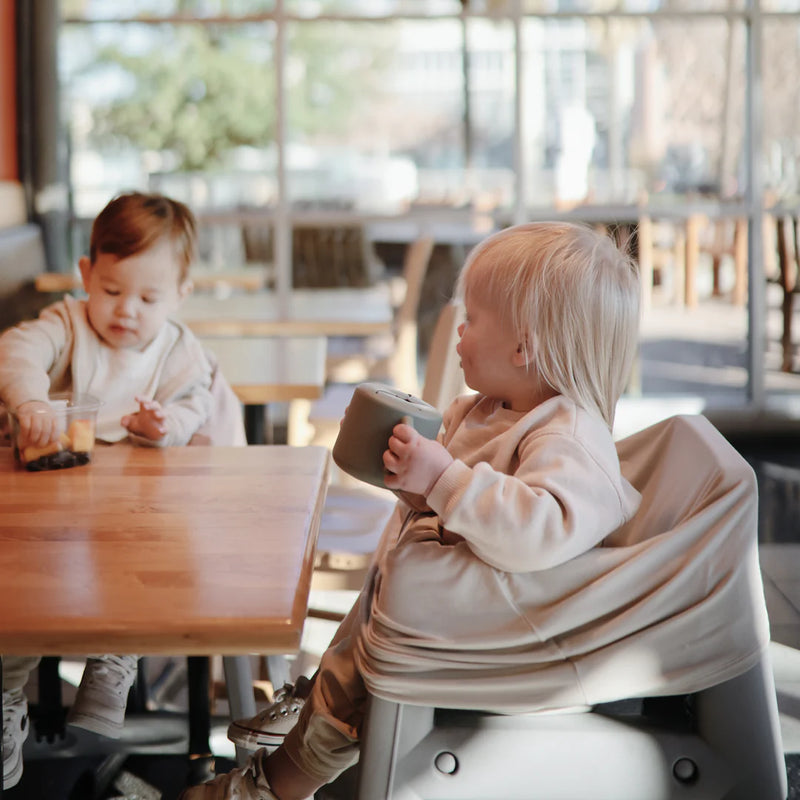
{"points": [[60, 352]]}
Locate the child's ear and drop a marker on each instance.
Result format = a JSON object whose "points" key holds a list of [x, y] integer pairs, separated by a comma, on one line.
{"points": [[85, 266], [523, 354], [186, 288]]}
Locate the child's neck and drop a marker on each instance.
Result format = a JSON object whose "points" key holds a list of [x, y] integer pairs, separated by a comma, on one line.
{"points": [[529, 400]]}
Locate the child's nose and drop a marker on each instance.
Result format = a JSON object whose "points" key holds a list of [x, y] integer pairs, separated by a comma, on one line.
{"points": [[126, 306], [460, 329]]}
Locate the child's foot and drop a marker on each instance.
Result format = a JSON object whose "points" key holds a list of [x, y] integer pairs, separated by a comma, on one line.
{"points": [[15, 732], [269, 727], [103, 695], [247, 783]]}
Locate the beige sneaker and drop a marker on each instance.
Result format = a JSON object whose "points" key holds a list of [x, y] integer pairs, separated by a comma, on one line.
{"points": [[103, 695], [247, 783], [15, 731], [269, 727]]}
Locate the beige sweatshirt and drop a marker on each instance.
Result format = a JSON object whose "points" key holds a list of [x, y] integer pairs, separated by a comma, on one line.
{"points": [[60, 352]]}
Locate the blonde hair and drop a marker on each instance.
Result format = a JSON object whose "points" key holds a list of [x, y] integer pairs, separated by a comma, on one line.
{"points": [[572, 298], [135, 221]]}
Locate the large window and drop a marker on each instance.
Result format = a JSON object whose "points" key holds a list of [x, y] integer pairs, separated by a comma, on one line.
{"points": [[486, 111]]}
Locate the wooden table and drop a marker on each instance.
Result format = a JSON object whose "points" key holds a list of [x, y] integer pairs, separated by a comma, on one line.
{"points": [[310, 312], [193, 550], [184, 550]]}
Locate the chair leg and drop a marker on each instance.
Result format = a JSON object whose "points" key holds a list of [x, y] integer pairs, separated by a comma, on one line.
{"points": [[278, 671], [750, 735], [787, 308], [397, 723], [199, 705]]}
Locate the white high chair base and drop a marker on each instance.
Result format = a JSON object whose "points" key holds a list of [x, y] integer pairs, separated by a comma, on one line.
{"points": [[728, 749]]}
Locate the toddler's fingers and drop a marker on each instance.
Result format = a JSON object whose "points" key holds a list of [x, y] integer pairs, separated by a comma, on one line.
{"points": [[402, 432], [41, 430], [397, 446], [145, 404], [406, 430], [390, 461]]}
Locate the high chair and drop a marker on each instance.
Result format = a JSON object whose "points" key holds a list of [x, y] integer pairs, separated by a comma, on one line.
{"points": [[701, 742]]}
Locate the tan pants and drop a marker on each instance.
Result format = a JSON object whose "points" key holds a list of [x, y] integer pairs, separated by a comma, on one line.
{"points": [[17, 669], [324, 742]]}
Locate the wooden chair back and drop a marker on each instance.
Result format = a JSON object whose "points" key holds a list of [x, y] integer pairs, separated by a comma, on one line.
{"points": [[403, 362], [332, 255]]}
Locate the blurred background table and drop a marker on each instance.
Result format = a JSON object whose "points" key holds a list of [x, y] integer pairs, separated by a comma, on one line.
{"points": [[309, 312], [264, 370]]}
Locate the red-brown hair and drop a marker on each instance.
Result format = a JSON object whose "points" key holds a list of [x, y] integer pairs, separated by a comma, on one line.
{"points": [[135, 221]]}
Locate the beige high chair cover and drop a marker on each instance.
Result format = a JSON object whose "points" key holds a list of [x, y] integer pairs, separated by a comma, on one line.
{"points": [[670, 604]]}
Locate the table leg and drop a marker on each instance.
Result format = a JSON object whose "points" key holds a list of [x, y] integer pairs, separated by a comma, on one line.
{"points": [[199, 705], [1, 727], [254, 425], [693, 225], [740, 262], [51, 716]]}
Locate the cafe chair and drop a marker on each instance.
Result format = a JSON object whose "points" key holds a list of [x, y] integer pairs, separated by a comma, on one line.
{"points": [[721, 742], [326, 256], [727, 238]]}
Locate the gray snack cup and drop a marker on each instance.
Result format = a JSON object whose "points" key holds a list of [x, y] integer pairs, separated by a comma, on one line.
{"points": [[374, 410]]}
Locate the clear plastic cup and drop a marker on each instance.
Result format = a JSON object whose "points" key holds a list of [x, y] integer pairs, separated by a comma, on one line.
{"points": [[76, 415]]}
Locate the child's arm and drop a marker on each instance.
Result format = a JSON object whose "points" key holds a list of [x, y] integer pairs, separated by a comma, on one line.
{"points": [[28, 353], [563, 499]]}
